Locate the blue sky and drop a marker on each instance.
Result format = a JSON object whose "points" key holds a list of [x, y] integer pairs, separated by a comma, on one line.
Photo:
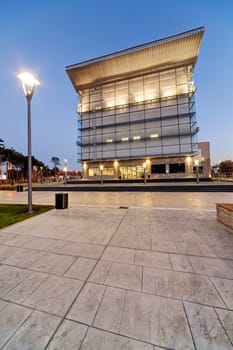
{"points": [[45, 36]]}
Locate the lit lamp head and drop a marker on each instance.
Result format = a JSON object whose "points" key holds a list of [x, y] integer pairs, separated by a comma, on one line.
{"points": [[101, 167], [196, 162], [144, 165], [29, 83]]}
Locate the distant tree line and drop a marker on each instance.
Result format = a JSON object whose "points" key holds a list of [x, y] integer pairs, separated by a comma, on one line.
{"points": [[226, 166], [16, 163]]}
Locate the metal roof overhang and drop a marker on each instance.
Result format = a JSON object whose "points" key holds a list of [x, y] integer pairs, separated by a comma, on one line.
{"points": [[174, 51]]}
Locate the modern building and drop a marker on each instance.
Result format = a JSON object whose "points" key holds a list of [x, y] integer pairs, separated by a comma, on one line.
{"points": [[137, 110]]}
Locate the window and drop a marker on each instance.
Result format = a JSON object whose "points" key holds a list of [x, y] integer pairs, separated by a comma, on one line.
{"points": [[158, 168], [94, 171], [177, 168], [109, 171]]}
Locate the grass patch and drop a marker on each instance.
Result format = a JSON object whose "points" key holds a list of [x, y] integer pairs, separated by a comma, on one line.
{"points": [[12, 213]]}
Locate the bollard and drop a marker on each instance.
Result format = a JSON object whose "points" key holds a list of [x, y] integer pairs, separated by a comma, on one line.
{"points": [[19, 188]]}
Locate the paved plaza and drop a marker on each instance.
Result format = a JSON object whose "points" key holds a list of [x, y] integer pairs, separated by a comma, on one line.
{"points": [[134, 271]]}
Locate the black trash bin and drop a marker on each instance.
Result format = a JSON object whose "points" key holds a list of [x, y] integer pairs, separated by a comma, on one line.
{"points": [[19, 188], [61, 200]]}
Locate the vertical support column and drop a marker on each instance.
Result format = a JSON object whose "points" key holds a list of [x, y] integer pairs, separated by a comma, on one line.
{"points": [[84, 171], [189, 167]]}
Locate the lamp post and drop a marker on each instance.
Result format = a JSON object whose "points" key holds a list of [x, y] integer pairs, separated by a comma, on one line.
{"points": [[29, 83], [197, 173], [144, 172], [41, 174], [65, 170], [101, 174]]}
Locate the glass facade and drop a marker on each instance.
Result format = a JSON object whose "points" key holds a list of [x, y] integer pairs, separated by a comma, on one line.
{"points": [[136, 110], [149, 116]]}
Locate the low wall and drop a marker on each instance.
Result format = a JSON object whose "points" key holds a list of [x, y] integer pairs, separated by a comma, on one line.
{"points": [[225, 214]]}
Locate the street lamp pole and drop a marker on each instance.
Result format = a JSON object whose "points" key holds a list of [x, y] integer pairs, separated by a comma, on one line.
{"points": [[197, 171], [101, 174], [144, 173], [65, 170], [29, 83]]}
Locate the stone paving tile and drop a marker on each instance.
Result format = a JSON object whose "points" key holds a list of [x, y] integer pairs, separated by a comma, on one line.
{"points": [[100, 340], [225, 289], [223, 250], [85, 250], [100, 272], [26, 287], [19, 240], [98, 234], [117, 254], [156, 320], [24, 257], [226, 318], [132, 234], [9, 278], [87, 303], [6, 252], [180, 263], [124, 276], [110, 311], [69, 336], [46, 244], [81, 268], [3, 304], [11, 317], [152, 259], [53, 263], [164, 246], [212, 267], [180, 285], [34, 333], [55, 295], [207, 331], [188, 248], [206, 250], [6, 237]]}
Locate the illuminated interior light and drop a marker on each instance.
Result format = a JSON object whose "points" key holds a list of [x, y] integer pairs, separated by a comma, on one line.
{"points": [[116, 164], [168, 92], [124, 139], [121, 102], [136, 137], [154, 136], [79, 109], [109, 140], [139, 99], [150, 97], [110, 104]]}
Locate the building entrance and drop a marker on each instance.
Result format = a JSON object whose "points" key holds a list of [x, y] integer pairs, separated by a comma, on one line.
{"points": [[131, 172]]}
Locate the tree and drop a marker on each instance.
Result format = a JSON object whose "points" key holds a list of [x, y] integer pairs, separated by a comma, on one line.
{"points": [[226, 166], [56, 163], [1, 143]]}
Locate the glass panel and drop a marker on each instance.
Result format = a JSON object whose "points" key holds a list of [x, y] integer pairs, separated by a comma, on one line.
{"points": [[158, 168], [169, 111], [171, 149], [176, 168], [152, 113]]}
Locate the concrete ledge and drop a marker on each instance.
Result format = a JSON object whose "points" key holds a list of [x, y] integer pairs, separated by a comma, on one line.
{"points": [[225, 214]]}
